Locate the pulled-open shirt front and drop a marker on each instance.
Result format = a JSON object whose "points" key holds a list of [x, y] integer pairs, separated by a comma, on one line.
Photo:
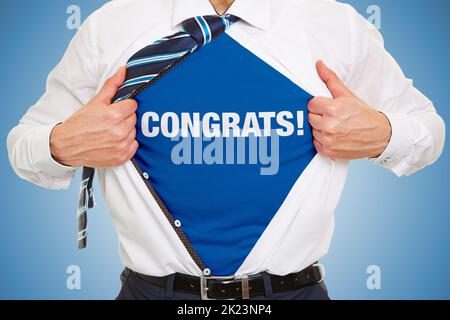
{"points": [[290, 215]]}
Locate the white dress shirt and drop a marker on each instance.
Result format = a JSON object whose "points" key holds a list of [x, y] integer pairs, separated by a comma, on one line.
{"points": [[289, 35]]}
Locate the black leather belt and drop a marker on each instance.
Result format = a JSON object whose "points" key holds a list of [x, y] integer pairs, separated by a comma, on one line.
{"points": [[228, 288]]}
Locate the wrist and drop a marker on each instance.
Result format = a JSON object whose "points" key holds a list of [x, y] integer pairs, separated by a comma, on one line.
{"points": [[56, 149], [385, 134]]}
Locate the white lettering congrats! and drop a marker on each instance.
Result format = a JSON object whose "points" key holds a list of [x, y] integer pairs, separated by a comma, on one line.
{"points": [[227, 124]]}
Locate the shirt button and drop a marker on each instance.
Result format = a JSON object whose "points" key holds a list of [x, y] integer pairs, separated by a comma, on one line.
{"points": [[145, 175], [178, 223], [387, 160], [206, 272]]}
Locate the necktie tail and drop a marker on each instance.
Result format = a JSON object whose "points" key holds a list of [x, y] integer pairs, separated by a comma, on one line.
{"points": [[85, 202]]}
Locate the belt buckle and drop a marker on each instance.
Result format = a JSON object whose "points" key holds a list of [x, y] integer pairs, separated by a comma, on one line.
{"points": [[204, 288], [321, 270]]}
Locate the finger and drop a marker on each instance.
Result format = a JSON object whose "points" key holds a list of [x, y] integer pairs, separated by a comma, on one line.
{"points": [[334, 84], [316, 121], [318, 146], [99, 158], [102, 158], [111, 86], [130, 122], [319, 136], [133, 148], [131, 136], [124, 108], [320, 105], [128, 142]]}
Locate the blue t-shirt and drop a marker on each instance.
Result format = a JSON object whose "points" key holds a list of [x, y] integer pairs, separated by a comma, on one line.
{"points": [[223, 138]]}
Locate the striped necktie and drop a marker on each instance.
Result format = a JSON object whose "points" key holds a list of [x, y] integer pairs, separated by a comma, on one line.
{"points": [[145, 67]]}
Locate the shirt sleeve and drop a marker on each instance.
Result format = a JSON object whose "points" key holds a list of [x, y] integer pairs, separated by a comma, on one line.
{"points": [[418, 132], [69, 86]]}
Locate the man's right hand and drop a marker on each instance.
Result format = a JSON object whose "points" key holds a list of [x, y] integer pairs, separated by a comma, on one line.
{"points": [[100, 134]]}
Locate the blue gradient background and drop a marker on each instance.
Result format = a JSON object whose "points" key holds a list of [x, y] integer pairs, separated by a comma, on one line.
{"points": [[401, 225]]}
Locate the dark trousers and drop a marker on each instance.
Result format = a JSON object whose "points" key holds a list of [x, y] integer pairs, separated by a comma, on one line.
{"points": [[136, 288]]}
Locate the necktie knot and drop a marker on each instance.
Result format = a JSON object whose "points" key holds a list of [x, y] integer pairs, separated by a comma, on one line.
{"points": [[205, 28]]}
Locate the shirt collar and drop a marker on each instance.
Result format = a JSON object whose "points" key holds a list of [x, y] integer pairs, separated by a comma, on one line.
{"points": [[254, 12]]}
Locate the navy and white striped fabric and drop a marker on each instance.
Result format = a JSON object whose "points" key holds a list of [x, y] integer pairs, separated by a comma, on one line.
{"points": [[85, 202], [146, 64], [143, 67]]}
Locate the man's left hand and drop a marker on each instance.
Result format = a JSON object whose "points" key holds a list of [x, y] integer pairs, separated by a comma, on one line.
{"points": [[345, 127]]}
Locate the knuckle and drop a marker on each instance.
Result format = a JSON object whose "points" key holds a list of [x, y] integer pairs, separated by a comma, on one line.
{"points": [[113, 134], [333, 110], [123, 129], [119, 133], [121, 148], [337, 129], [331, 128], [114, 116], [328, 127]]}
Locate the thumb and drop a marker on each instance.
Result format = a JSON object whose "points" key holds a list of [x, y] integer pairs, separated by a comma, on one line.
{"points": [[334, 84], [111, 86]]}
